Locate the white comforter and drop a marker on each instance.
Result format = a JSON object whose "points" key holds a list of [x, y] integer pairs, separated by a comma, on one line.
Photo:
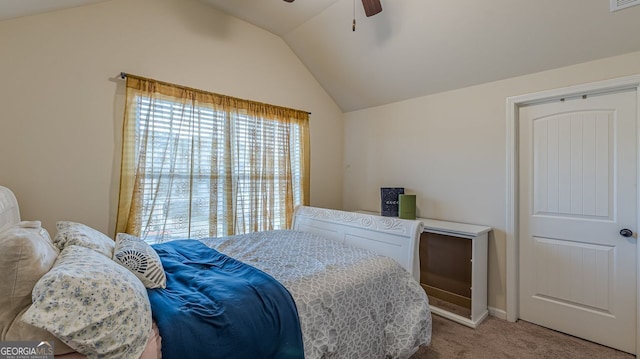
{"points": [[351, 302]]}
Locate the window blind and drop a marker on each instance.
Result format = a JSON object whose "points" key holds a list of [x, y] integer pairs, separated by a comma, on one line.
{"points": [[194, 158]]}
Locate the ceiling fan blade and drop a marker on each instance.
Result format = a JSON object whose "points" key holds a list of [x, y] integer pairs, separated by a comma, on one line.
{"points": [[371, 7]]}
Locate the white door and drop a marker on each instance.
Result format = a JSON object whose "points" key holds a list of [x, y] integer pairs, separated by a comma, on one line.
{"points": [[577, 192]]}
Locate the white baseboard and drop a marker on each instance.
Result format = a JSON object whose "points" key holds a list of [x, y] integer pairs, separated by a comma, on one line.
{"points": [[498, 313]]}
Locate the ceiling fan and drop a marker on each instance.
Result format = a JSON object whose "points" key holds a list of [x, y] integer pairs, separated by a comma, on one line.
{"points": [[371, 7]]}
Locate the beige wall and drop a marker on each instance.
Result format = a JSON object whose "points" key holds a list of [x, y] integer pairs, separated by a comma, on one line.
{"points": [[61, 104], [450, 150], [61, 113]]}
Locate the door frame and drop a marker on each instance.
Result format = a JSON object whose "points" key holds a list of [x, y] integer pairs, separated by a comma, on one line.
{"points": [[512, 181]]}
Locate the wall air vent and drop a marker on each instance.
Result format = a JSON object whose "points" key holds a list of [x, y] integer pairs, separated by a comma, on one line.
{"points": [[622, 4]]}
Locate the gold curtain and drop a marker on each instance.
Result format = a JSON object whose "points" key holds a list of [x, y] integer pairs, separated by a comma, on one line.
{"points": [[198, 164]]}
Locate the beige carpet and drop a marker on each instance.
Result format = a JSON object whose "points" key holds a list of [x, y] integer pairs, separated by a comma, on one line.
{"points": [[496, 338]]}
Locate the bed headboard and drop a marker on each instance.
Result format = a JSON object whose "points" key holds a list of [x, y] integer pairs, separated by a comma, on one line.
{"points": [[389, 236], [9, 212]]}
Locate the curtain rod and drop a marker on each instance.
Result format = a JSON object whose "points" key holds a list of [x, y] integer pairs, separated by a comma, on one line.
{"points": [[124, 75]]}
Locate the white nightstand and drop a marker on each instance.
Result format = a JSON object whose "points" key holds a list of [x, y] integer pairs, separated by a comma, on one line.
{"points": [[460, 250]]}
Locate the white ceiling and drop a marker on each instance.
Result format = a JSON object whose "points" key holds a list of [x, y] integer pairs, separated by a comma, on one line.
{"points": [[16, 8], [420, 47]]}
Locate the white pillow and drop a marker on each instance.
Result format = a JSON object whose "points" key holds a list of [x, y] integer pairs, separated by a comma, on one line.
{"points": [[141, 259], [72, 233], [26, 254], [93, 304]]}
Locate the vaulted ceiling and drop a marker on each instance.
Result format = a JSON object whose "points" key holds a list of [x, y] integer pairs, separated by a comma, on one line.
{"points": [[420, 47]]}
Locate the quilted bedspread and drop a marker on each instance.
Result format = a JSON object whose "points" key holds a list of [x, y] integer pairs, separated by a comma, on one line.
{"points": [[351, 302]]}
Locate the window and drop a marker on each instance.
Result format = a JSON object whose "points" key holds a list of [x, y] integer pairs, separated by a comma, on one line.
{"points": [[206, 168]]}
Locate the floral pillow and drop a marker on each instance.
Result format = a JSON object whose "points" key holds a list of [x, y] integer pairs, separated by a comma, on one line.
{"points": [[93, 304], [137, 255], [72, 233]]}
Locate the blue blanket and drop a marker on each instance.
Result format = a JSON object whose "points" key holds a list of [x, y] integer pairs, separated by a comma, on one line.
{"points": [[217, 307]]}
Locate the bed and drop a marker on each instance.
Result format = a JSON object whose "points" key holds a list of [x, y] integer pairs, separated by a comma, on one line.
{"points": [[350, 301]]}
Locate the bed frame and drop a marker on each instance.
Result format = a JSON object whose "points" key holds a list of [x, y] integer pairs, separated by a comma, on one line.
{"points": [[9, 212], [392, 237], [389, 236]]}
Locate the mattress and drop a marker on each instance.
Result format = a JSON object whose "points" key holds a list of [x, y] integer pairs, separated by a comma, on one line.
{"points": [[351, 302]]}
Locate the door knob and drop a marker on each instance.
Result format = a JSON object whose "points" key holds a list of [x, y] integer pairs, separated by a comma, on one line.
{"points": [[626, 232]]}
